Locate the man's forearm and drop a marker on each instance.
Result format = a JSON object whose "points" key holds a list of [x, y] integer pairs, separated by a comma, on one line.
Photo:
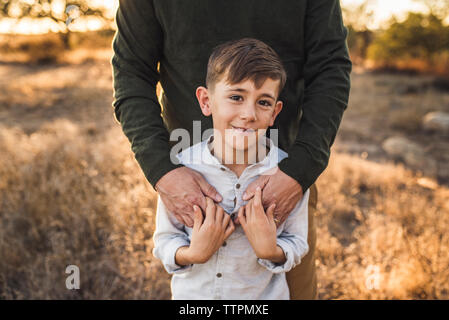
{"points": [[327, 84], [137, 49]]}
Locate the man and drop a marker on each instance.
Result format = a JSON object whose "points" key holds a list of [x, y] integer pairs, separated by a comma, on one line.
{"points": [[310, 38]]}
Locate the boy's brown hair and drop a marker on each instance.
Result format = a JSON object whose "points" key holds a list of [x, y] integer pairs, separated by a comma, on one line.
{"points": [[245, 59]]}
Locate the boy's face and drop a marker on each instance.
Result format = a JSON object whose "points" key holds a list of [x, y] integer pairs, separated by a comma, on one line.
{"points": [[241, 113]]}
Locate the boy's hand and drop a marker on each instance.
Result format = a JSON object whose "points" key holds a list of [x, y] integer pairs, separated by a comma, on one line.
{"points": [[208, 235], [260, 228], [279, 188]]}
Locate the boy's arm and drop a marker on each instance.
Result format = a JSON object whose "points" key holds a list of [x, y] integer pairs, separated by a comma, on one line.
{"points": [[292, 241], [168, 238], [278, 256], [177, 251], [326, 91]]}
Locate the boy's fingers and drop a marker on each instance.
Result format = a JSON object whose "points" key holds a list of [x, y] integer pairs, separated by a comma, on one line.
{"points": [[229, 230], [257, 198], [210, 210], [241, 216], [198, 217], [219, 214], [249, 210], [270, 212], [226, 219]]}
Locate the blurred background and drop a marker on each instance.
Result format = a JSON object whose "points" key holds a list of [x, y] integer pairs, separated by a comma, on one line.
{"points": [[72, 194]]}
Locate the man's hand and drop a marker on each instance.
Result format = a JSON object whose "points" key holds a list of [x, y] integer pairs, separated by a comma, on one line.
{"points": [[207, 236], [181, 189], [260, 229], [277, 188]]}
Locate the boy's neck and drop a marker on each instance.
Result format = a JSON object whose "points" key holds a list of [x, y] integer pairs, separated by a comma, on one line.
{"points": [[230, 160]]}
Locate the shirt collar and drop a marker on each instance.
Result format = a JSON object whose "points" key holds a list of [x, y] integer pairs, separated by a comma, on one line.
{"points": [[268, 162]]}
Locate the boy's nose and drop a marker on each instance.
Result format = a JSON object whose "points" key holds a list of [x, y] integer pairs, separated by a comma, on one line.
{"points": [[248, 112]]}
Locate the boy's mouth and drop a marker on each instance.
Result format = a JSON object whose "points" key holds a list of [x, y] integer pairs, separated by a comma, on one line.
{"points": [[243, 129]]}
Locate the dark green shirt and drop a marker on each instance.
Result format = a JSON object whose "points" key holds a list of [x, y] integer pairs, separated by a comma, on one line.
{"points": [[308, 35]]}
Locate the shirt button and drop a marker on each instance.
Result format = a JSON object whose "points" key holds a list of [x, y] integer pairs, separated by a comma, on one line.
{"points": [[237, 185], [219, 275], [222, 169], [224, 244]]}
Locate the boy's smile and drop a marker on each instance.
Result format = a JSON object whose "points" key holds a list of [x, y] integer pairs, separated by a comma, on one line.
{"points": [[241, 114]]}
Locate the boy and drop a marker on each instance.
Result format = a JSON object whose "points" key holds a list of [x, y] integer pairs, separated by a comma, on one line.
{"points": [[215, 259]]}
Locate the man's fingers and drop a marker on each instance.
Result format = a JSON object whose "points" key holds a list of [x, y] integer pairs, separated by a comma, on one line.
{"points": [[208, 190], [250, 191], [179, 218]]}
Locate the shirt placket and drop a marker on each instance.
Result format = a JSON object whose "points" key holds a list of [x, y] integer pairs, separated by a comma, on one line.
{"points": [[219, 275]]}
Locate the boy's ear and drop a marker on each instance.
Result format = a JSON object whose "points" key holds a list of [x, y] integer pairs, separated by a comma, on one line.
{"points": [[202, 95], [277, 109]]}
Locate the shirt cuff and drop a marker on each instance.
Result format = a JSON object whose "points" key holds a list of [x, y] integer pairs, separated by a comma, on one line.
{"points": [[170, 252], [291, 260]]}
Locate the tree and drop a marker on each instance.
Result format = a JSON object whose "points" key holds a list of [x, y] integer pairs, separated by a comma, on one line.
{"points": [[438, 8], [357, 18], [420, 36], [60, 11]]}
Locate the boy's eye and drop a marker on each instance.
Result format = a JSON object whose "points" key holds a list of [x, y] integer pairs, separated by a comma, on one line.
{"points": [[265, 103], [235, 97]]}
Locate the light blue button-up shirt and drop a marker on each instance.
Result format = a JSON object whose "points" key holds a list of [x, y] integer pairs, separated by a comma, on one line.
{"points": [[234, 271]]}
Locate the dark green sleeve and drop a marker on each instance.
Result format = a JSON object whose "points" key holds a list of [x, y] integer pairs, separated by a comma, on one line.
{"points": [[137, 49], [326, 91]]}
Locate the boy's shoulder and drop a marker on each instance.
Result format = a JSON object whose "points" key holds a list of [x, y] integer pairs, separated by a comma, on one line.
{"points": [[281, 154], [191, 155]]}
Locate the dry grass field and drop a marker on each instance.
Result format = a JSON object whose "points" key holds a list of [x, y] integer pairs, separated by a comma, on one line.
{"points": [[71, 192]]}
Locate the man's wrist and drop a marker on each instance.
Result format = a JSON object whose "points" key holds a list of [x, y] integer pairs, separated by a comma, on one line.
{"points": [[157, 177], [304, 178], [155, 186]]}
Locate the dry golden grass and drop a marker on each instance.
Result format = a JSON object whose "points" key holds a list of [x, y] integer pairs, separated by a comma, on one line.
{"points": [[72, 193], [68, 198], [381, 234]]}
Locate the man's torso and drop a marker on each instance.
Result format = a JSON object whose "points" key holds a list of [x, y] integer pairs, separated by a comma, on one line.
{"points": [[193, 28]]}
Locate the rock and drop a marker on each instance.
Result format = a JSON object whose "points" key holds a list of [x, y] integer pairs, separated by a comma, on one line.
{"points": [[411, 153], [436, 121]]}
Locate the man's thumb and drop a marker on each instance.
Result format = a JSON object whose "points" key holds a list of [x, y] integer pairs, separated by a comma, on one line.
{"points": [[251, 190], [209, 190]]}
